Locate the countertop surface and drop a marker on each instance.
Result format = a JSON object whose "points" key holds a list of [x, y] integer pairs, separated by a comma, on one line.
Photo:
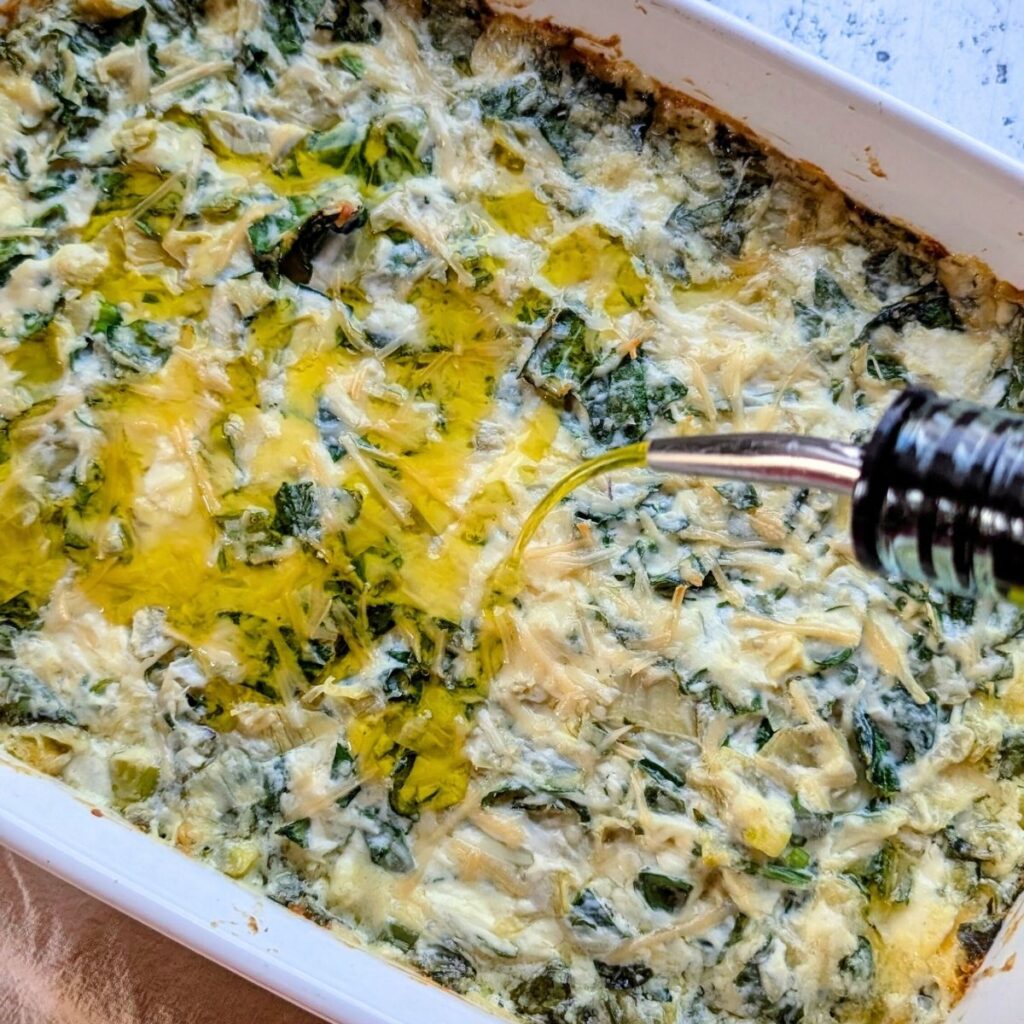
{"points": [[959, 60], [66, 959]]}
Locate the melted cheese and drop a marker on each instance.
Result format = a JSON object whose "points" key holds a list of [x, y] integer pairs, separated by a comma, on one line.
{"points": [[301, 313]]}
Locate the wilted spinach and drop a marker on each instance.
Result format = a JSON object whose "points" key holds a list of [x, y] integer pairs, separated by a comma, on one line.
{"points": [[829, 300], [623, 977], [564, 357], [139, 346], [929, 306], [664, 790], [544, 993], [859, 966], [661, 891], [914, 726], [290, 22], [296, 831], [25, 699], [17, 614], [892, 270], [536, 802], [386, 843], [1011, 755], [103, 36], [588, 912], [617, 404], [454, 27], [352, 22], [725, 219], [446, 964], [384, 151], [873, 748], [11, 254], [742, 497], [296, 509], [622, 405], [977, 937]]}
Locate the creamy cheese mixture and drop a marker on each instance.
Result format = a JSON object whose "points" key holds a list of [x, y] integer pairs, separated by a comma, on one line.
{"points": [[304, 306]]}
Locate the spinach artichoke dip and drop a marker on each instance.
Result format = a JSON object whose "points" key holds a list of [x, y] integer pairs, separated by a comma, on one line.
{"points": [[304, 306]]}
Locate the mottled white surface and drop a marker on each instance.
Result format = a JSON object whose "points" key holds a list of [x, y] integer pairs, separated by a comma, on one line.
{"points": [[960, 60]]}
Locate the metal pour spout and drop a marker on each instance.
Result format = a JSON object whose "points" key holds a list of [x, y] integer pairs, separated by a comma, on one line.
{"points": [[761, 458], [937, 492]]}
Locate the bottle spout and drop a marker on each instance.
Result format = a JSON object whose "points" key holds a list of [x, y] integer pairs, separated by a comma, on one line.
{"points": [[783, 459]]}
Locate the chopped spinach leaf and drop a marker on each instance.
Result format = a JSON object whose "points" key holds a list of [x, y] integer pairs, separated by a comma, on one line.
{"points": [[289, 23], [17, 614], [383, 152], [960, 609], [661, 891], [296, 509], [17, 166], [809, 824], [623, 977], [977, 937], [914, 725], [517, 98], [589, 912], [545, 993], [341, 147], [446, 964], [564, 357], [860, 964], [136, 347], [873, 748], [891, 270], [312, 655], [455, 26], [103, 36], [11, 254], [535, 802], [883, 366], [663, 793], [929, 306], [1011, 755], [353, 22], [725, 220], [273, 235], [353, 64], [793, 869], [342, 763], [55, 183], [809, 321], [617, 404], [764, 733], [832, 660], [403, 153], [742, 497], [828, 296], [25, 699], [890, 873], [386, 844], [297, 831], [177, 15], [1014, 398], [399, 935]]}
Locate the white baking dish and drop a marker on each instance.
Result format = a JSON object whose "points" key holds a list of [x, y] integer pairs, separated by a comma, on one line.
{"points": [[888, 156]]}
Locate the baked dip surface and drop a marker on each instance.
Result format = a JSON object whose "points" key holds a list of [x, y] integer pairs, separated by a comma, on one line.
{"points": [[303, 308]]}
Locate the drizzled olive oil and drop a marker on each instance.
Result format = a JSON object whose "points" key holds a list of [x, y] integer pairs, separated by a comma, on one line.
{"points": [[303, 308]]}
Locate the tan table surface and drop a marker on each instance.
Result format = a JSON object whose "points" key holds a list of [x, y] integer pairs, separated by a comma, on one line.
{"points": [[65, 958]]}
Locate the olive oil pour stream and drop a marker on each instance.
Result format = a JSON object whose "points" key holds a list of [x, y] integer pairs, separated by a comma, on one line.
{"points": [[507, 580], [617, 458]]}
